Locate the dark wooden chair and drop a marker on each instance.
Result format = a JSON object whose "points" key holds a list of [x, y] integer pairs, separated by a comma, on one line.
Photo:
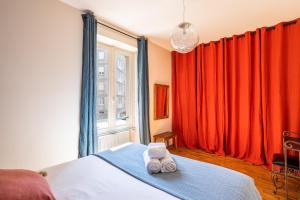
{"points": [[284, 164]]}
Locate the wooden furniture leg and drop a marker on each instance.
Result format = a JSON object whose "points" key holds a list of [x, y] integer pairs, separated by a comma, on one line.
{"points": [[167, 140]]}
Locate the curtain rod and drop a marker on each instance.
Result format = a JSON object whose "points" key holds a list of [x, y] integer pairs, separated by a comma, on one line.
{"points": [[117, 30], [253, 32]]}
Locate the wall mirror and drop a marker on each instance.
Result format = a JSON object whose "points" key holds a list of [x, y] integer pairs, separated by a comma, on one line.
{"points": [[161, 101]]}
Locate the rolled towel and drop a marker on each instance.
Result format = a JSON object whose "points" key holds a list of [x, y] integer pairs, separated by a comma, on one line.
{"points": [[168, 164], [153, 166], [157, 150]]}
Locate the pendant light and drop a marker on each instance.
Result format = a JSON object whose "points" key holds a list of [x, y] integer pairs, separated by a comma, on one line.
{"points": [[185, 37]]}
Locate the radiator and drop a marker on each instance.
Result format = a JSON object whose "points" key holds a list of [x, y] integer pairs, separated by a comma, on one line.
{"points": [[112, 140]]}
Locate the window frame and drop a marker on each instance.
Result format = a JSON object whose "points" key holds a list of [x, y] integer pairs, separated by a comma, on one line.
{"points": [[112, 89]]}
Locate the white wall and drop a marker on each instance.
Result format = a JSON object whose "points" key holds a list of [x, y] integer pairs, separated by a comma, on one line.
{"points": [[159, 72], [40, 80]]}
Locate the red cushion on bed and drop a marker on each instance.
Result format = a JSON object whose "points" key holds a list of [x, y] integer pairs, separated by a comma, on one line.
{"points": [[18, 184]]}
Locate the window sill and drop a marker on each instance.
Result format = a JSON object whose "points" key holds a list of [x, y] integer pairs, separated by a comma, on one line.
{"points": [[103, 132]]}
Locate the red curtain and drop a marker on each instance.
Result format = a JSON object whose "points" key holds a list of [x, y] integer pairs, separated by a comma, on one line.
{"points": [[280, 65], [184, 98], [244, 130], [210, 97], [236, 96]]}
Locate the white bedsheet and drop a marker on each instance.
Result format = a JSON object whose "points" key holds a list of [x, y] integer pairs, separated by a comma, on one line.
{"points": [[92, 178]]}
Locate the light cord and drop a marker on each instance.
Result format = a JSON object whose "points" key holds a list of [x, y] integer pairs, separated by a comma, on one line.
{"points": [[183, 13]]}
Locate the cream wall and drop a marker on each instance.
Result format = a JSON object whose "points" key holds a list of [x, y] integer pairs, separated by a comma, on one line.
{"points": [[40, 83], [159, 72], [40, 80]]}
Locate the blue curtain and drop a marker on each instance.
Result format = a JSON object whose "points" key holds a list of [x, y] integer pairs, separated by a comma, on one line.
{"points": [[143, 91], [88, 129]]}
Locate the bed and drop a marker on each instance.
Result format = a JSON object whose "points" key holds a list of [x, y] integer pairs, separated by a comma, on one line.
{"points": [[119, 174]]}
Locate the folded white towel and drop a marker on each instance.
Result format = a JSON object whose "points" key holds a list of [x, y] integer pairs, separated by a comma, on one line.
{"points": [[168, 164], [157, 150], [153, 166]]}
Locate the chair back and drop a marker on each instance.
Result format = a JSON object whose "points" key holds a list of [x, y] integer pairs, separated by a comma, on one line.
{"points": [[291, 145]]}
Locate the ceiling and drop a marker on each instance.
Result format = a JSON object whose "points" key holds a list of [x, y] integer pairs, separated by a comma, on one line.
{"points": [[214, 19]]}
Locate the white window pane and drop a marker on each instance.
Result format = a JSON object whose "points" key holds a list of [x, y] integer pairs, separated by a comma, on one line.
{"points": [[101, 69], [121, 110], [101, 55], [113, 100], [101, 85], [101, 100], [101, 124], [102, 88]]}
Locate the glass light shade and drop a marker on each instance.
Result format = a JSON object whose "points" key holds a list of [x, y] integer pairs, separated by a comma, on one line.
{"points": [[184, 38]]}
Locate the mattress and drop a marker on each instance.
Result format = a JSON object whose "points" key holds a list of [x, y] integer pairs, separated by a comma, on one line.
{"points": [[92, 177]]}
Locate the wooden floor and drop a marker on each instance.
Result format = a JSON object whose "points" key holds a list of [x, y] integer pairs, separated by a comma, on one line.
{"points": [[260, 174]]}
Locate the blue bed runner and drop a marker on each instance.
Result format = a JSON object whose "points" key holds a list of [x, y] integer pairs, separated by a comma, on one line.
{"points": [[193, 180]]}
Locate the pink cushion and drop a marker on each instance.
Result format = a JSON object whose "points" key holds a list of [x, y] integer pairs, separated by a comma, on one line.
{"points": [[18, 184]]}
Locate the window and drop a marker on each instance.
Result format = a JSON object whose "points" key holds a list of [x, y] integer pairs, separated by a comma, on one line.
{"points": [[115, 96]]}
